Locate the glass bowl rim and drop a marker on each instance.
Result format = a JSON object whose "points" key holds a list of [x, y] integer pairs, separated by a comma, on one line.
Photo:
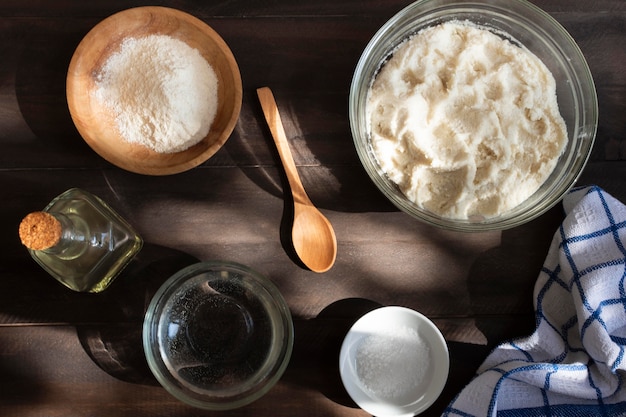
{"points": [[421, 14], [156, 362]]}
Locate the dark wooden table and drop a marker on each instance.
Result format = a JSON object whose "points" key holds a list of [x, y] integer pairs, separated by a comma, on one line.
{"points": [[70, 354]]}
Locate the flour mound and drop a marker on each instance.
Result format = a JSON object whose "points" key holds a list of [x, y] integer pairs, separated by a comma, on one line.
{"points": [[465, 122], [162, 92]]}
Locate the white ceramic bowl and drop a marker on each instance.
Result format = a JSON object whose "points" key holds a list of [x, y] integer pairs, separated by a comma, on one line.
{"points": [[394, 362]]}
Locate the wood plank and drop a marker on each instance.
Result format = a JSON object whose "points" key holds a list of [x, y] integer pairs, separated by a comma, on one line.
{"points": [[242, 8], [309, 71], [68, 354], [381, 251], [99, 370]]}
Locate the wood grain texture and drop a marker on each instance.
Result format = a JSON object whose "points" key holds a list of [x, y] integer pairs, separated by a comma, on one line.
{"points": [[68, 354]]}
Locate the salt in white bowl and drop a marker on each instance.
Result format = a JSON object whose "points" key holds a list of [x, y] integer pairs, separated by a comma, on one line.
{"points": [[394, 362]]}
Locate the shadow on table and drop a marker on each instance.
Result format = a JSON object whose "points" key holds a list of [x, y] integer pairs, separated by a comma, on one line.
{"points": [[315, 360], [501, 281], [117, 347], [118, 350], [341, 183]]}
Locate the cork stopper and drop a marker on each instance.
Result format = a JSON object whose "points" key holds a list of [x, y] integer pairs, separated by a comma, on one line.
{"points": [[40, 230]]}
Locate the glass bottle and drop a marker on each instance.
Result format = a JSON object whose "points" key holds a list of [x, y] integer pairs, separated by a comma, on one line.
{"points": [[80, 240]]}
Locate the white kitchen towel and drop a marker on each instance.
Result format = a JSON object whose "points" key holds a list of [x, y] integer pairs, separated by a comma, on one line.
{"points": [[574, 363]]}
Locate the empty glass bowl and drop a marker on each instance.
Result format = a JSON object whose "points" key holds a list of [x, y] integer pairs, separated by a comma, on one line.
{"points": [[218, 335], [538, 32]]}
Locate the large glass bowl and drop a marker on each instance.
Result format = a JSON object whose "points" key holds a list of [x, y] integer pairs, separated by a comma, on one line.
{"points": [[539, 33], [218, 335]]}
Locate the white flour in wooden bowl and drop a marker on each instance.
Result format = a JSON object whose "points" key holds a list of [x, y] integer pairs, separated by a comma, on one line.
{"points": [[464, 121], [162, 92]]}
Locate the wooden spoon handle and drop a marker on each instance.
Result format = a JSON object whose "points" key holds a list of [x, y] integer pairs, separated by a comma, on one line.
{"points": [[270, 110]]}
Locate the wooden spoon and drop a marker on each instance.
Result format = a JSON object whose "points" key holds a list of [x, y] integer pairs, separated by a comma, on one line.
{"points": [[312, 234]]}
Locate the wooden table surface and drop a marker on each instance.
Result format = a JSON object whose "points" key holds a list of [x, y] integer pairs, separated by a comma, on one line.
{"points": [[70, 354]]}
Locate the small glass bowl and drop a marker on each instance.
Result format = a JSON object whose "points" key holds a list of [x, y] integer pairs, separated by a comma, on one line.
{"points": [[217, 335], [539, 33]]}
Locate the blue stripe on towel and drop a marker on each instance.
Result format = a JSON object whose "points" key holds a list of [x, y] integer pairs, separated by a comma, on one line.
{"points": [[581, 307]]}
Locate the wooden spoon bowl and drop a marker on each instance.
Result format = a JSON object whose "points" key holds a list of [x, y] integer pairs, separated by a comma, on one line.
{"points": [[96, 124]]}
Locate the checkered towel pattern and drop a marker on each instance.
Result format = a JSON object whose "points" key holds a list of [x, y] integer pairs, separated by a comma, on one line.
{"points": [[573, 364]]}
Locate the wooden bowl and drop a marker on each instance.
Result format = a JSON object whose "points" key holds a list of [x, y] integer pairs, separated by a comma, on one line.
{"points": [[96, 123]]}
